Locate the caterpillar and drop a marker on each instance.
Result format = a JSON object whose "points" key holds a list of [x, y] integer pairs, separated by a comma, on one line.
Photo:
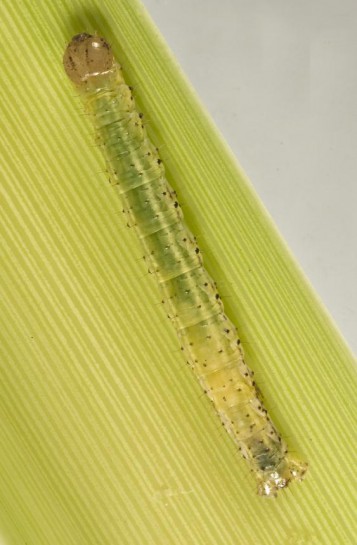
{"points": [[208, 338]]}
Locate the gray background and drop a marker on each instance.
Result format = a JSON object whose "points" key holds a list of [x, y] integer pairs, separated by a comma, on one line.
{"points": [[279, 78]]}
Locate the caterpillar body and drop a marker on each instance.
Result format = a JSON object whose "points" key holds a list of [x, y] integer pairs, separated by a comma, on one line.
{"points": [[208, 338]]}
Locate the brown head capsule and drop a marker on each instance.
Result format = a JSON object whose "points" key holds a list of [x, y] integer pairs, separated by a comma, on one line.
{"points": [[86, 56]]}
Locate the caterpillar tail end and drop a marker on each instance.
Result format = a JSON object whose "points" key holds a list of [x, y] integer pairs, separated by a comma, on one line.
{"points": [[280, 477]]}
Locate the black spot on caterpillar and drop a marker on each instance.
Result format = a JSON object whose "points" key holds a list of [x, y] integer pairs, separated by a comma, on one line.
{"points": [[207, 337]]}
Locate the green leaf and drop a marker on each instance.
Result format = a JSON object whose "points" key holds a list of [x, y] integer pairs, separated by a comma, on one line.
{"points": [[106, 437]]}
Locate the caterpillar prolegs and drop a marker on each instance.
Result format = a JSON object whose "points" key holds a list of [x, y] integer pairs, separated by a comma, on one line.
{"points": [[208, 338]]}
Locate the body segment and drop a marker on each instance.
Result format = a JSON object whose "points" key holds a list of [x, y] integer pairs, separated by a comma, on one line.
{"points": [[208, 338]]}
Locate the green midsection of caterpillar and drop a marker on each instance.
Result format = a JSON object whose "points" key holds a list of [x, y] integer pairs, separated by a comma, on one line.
{"points": [[208, 338]]}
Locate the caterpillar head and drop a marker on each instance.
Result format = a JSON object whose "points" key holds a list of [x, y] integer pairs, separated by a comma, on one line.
{"points": [[87, 55]]}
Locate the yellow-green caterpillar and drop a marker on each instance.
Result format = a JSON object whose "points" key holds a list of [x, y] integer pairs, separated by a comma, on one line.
{"points": [[208, 338]]}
